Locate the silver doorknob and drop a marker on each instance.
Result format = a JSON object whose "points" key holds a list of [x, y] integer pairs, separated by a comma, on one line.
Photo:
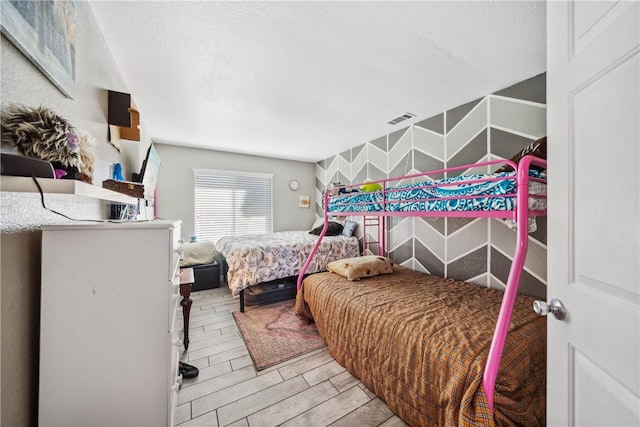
{"points": [[554, 307]]}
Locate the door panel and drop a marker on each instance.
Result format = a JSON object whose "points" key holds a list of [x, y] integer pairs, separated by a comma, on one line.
{"points": [[599, 399], [593, 94], [591, 20], [605, 117]]}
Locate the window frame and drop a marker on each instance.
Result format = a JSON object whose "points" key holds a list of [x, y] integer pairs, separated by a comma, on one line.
{"points": [[233, 174]]}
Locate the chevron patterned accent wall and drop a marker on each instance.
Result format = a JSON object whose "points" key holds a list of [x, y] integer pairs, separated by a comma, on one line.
{"points": [[476, 250]]}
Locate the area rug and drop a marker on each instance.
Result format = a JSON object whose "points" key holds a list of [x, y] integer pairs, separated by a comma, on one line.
{"points": [[274, 334]]}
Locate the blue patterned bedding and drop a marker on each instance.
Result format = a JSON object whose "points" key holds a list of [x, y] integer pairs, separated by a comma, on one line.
{"points": [[448, 194]]}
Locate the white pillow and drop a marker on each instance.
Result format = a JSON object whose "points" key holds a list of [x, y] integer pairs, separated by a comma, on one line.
{"points": [[198, 253]]}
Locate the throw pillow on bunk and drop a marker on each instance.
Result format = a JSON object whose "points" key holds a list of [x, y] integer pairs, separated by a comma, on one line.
{"points": [[334, 229], [360, 267], [537, 148], [368, 187], [349, 228]]}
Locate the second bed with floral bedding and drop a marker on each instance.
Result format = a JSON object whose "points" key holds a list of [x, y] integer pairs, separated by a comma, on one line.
{"points": [[257, 258]]}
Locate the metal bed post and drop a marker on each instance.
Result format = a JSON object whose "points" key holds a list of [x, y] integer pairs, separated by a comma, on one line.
{"points": [[383, 233], [325, 198], [364, 235], [382, 245], [511, 291]]}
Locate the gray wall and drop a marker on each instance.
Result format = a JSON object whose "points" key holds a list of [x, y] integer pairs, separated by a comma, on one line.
{"points": [[22, 214], [175, 184], [478, 250]]}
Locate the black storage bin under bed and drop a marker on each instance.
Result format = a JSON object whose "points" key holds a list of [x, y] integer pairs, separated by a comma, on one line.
{"points": [[269, 292]]}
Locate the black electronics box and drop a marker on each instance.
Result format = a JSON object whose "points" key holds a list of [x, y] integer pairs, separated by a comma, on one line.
{"points": [[15, 165], [269, 292], [207, 276]]}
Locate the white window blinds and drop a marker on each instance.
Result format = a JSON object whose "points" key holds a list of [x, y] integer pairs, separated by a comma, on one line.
{"points": [[231, 203]]}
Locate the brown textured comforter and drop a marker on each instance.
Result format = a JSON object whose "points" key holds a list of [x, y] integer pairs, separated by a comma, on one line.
{"points": [[420, 342]]}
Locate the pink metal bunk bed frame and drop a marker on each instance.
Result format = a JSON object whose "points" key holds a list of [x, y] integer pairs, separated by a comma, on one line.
{"points": [[520, 216]]}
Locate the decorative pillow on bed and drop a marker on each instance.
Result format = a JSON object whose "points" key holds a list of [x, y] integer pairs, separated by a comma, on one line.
{"points": [[371, 186], [537, 148], [334, 229], [362, 266], [349, 228]]}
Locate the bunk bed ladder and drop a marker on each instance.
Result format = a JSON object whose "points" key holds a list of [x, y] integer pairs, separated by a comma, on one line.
{"points": [[378, 222]]}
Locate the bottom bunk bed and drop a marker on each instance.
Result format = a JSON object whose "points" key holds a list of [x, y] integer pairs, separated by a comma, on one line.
{"points": [[421, 343]]}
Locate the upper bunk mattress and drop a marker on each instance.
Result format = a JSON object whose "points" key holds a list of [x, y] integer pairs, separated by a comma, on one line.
{"points": [[421, 342], [258, 258], [477, 192]]}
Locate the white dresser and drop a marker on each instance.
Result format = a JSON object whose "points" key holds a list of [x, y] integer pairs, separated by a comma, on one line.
{"points": [[108, 337]]}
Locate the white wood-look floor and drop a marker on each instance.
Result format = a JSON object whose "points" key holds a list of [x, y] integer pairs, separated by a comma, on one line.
{"points": [[311, 390]]}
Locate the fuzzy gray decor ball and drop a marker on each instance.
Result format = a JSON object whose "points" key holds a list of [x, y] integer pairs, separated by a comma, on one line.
{"points": [[40, 133]]}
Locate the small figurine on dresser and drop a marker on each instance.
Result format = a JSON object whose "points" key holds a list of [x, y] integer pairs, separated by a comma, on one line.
{"points": [[42, 134]]}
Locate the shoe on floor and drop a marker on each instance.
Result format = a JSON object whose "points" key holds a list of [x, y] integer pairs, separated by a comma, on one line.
{"points": [[188, 371]]}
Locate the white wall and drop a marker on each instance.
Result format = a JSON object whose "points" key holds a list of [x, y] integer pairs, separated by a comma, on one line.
{"points": [[175, 184]]}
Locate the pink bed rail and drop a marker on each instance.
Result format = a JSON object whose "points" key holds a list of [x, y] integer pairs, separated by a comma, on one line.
{"points": [[519, 215]]}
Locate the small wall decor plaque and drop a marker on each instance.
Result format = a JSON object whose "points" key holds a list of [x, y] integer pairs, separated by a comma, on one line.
{"points": [[304, 202]]}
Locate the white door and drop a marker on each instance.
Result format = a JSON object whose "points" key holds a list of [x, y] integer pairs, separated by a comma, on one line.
{"points": [[593, 73]]}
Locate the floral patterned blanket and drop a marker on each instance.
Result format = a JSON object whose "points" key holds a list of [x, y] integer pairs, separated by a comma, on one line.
{"points": [[258, 258]]}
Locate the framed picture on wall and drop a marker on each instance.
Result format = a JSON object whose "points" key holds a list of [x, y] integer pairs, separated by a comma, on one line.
{"points": [[44, 31], [303, 202]]}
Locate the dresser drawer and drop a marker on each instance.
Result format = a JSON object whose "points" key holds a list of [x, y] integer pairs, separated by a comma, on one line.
{"points": [[174, 378], [174, 304], [176, 252]]}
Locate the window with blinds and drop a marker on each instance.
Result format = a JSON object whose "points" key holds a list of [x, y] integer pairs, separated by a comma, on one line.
{"points": [[231, 203]]}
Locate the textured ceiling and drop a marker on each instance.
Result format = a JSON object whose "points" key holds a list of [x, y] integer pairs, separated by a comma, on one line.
{"points": [[306, 80]]}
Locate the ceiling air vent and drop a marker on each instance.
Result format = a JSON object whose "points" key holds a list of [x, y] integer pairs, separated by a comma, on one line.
{"points": [[402, 118]]}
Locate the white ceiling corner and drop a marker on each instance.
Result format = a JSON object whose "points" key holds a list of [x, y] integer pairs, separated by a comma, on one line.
{"points": [[306, 80]]}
